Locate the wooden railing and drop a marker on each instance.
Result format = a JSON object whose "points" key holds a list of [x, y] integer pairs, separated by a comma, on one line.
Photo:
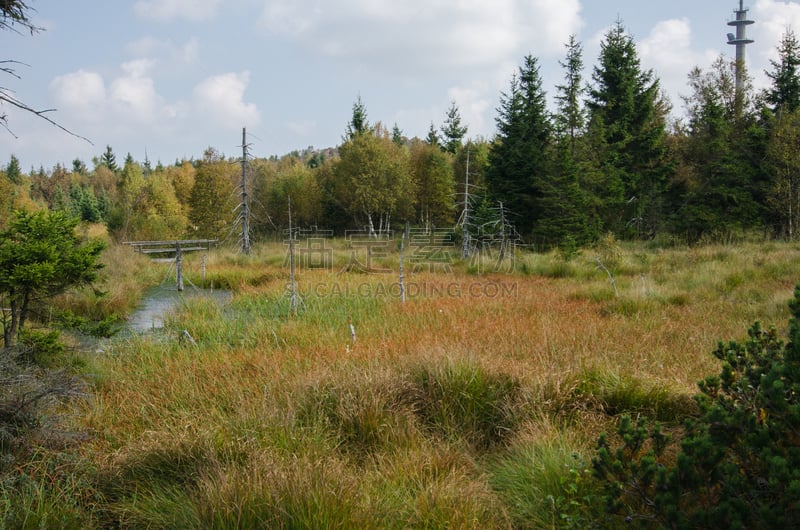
{"points": [[177, 247]]}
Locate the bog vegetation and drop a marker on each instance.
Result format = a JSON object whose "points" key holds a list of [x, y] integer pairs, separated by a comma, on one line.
{"points": [[477, 403], [563, 286]]}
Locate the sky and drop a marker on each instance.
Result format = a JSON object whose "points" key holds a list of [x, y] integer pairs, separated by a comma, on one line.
{"points": [[163, 80]]}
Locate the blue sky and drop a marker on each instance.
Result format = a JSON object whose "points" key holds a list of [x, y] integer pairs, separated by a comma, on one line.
{"points": [[167, 78]]}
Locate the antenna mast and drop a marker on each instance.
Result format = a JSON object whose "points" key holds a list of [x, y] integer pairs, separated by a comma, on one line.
{"points": [[740, 40]]}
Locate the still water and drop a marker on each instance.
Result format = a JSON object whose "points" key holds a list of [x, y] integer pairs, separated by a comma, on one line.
{"points": [[159, 301]]}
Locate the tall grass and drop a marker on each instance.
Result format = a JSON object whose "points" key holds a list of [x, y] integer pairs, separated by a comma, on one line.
{"points": [[476, 404]]}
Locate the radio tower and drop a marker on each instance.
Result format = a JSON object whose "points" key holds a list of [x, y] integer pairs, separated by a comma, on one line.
{"points": [[740, 40]]}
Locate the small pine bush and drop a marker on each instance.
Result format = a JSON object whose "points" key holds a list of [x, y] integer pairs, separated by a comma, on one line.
{"points": [[737, 464]]}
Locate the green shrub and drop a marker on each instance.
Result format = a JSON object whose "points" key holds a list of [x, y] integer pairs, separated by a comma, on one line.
{"points": [[41, 348], [737, 463]]}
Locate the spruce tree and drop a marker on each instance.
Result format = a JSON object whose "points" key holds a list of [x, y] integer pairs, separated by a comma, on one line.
{"points": [[452, 130], [628, 120], [109, 159], [724, 154], [13, 171], [571, 117], [397, 135], [518, 159], [358, 123], [564, 213], [784, 95], [433, 136]]}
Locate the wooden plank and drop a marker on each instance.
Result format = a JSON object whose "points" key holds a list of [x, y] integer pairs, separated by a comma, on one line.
{"points": [[164, 247]]}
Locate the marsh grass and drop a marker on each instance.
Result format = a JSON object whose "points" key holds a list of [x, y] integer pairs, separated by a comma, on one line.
{"points": [[545, 482], [122, 282], [457, 409], [615, 394], [462, 401]]}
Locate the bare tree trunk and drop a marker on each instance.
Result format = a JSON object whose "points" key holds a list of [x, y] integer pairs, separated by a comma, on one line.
{"points": [[12, 325]]}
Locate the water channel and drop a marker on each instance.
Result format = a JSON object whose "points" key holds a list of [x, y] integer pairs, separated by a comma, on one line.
{"points": [[159, 301]]}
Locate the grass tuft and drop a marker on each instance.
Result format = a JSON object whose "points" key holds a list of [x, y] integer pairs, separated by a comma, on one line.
{"points": [[460, 400], [616, 394]]}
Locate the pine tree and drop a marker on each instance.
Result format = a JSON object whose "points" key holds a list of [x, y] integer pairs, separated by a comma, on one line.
{"points": [[518, 160], [737, 464]]}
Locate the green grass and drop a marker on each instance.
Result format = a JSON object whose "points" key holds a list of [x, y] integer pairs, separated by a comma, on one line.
{"points": [[545, 483]]}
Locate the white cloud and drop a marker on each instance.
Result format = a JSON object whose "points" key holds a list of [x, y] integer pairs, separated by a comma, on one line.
{"points": [[167, 10], [220, 99], [426, 34], [668, 51], [303, 128], [473, 103], [186, 53], [134, 93], [773, 19], [80, 91]]}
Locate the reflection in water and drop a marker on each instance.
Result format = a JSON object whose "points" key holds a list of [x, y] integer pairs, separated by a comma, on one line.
{"points": [[161, 300]]}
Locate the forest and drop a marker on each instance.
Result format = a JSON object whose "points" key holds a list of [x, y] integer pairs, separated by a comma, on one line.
{"points": [[608, 156]]}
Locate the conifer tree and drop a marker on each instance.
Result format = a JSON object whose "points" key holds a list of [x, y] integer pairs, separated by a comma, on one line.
{"points": [[397, 135], [628, 123], [571, 117], [564, 215], [13, 171], [358, 124], [433, 136], [518, 159], [452, 130], [737, 464], [721, 194], [109, 159], [41, 256], [785, 91]]}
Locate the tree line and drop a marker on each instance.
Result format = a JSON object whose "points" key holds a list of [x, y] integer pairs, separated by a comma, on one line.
{"points": [[606, 158]]}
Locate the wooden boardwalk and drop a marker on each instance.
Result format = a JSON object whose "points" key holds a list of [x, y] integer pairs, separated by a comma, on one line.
{"points": [[171, 247], [176, 248]]}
